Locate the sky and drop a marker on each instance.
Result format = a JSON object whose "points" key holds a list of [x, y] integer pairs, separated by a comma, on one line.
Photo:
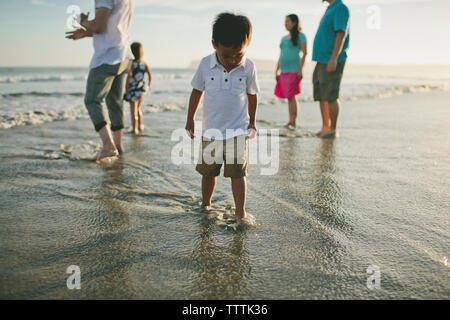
{"points": [[176, 32]]}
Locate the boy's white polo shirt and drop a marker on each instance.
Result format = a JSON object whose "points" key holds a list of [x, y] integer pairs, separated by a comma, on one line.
{"points": [[225, 102]]}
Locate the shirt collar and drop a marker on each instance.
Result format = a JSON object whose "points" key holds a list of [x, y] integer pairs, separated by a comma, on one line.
{"points": [[215, 63], [334, 3]]}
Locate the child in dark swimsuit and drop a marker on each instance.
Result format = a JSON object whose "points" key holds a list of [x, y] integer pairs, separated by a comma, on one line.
{"points": [[136, 87]]}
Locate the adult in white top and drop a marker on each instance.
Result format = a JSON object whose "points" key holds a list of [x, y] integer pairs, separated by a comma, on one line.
{"points": [[110, 64], [225, 103], [113, 45]]}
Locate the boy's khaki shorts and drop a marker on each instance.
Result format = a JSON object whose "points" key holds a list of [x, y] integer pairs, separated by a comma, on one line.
{"points": [[233, 152], [327, 84]]}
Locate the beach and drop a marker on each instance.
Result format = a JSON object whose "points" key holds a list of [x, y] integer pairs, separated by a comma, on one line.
{"points": [[377, 196]]}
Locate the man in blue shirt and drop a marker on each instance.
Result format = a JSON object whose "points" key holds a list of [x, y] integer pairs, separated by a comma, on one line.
{"points": [[330, 53]]}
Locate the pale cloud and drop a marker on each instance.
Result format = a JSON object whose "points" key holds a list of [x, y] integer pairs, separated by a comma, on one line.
{"points": [[263, 4], [372, 2], [42, 3]]}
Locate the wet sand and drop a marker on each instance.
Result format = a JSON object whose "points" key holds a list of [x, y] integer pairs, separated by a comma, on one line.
{"points": [[377, 195]]}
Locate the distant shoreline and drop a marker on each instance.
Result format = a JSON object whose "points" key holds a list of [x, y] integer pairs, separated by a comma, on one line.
{"points": [[264, 65]]}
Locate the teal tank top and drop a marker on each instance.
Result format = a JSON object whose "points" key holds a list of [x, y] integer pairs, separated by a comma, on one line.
{"points": [[290, 54]]}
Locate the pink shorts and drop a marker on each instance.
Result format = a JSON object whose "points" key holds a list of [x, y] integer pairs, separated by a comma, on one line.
{"points": [[288, 85]]}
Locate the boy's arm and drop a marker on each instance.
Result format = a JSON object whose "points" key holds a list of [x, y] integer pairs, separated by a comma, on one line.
{"points": [[252, 106], [194, 102]]}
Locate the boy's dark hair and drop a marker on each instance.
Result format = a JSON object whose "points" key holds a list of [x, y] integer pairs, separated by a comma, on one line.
{"points": [[231, 30], [135, 46]]}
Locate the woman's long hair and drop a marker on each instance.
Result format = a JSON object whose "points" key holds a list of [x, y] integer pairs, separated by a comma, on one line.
{"points": [[295, 29]]}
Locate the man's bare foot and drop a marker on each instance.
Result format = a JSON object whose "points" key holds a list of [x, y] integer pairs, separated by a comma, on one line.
{"points": [[141, 128], [106, 154], [321, 132], [136, 131], [119, 149], [330, 134]]}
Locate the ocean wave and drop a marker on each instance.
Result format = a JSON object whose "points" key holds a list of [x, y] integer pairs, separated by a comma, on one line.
{"points": [[379, 94], [41, 116], [38, 117], [42, 94], [42, 78]]}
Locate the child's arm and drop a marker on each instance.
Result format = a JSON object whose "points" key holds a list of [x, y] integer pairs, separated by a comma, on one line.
{"points": [[194, 101], [130, 74], [149, 73], [252, 106]]}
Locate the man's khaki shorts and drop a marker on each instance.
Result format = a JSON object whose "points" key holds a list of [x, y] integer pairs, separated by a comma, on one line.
{"points": [[233, 152], [327, 84]]}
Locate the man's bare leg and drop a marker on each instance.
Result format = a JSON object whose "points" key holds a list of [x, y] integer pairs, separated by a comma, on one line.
{"points": [[118, 140], [208, 186], [334, 107], [109, 148], [324, 110], [239, 188]]}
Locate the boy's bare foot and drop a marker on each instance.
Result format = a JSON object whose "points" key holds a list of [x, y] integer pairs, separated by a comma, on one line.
{"points": [[136, 131], [240, 216], [119, 149], [141, 128], [106, 154]]}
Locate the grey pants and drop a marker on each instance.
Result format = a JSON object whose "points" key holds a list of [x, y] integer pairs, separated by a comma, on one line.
{"points": [[106, 82]]}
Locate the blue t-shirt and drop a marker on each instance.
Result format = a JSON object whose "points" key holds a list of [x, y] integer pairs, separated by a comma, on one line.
{"points": [[336, 18], [290, 54]]}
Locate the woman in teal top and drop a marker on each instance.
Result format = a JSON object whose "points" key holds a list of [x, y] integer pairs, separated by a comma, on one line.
{"points": [[291, 67]]}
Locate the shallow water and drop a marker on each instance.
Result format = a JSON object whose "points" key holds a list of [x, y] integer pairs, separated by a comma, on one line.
{"points": [[30, 96], [377, 195]]}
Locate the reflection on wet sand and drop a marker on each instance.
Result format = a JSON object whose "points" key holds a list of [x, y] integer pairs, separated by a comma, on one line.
{"points": [[327, 188], [115, 212], [221, 265]]}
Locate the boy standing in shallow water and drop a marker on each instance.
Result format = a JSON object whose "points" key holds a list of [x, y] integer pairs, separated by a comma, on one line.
{"points": [[229, 82]]}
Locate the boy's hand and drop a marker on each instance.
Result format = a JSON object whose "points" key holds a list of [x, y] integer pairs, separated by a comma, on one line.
{"points": [[251, 130], [190, 128]]}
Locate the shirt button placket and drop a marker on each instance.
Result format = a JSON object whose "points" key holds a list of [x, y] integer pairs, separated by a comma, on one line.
{"points": [[226, 80]]}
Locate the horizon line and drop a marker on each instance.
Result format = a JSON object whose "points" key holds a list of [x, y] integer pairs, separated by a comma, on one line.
{"points": [[274, 61]]}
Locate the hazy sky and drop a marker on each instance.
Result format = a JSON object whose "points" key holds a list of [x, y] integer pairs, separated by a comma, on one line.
{"points": [[175, 32]]}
